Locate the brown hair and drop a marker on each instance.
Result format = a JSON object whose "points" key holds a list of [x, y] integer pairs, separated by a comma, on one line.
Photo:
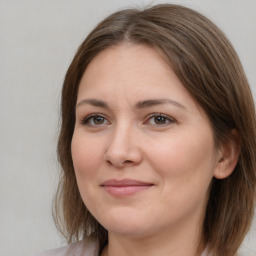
{"points": [[209, 68]]}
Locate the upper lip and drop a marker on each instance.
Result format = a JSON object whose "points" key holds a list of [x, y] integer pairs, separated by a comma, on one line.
{"points": [[125, 183]]}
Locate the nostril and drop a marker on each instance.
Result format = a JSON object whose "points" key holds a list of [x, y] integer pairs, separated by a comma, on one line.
{"points": [[121, 159], [127, 162], [119, 164], [109, 162]]}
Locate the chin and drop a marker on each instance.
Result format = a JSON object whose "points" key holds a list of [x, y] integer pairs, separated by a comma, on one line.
{"points": [[125, 224]]}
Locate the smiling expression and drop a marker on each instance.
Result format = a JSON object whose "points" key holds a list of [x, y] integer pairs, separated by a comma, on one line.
{"points": [[143, 150]]}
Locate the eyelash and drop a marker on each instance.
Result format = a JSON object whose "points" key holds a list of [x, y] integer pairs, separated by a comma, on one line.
{"points": [[165, 117], [86, 121]]}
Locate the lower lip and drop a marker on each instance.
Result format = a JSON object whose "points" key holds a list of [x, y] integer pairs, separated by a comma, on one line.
{"points": [[125, 190]]}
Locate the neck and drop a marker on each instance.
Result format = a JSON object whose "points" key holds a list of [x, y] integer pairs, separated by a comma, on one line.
{"points": [[183, 243]]}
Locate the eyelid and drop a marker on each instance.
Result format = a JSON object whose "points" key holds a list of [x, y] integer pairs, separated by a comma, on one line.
{"points": [[85, 120], [169, 118]]}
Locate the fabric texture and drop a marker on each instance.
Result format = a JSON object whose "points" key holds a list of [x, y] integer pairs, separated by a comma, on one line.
{"points": [[82, 248], [91, 248]]}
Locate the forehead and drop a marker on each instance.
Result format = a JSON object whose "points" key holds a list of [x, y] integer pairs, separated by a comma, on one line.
{"points": [[128, 58], [130, 70], [124, 64]]}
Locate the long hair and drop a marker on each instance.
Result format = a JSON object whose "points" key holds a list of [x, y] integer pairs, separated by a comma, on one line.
{"points": [[206, 63]]}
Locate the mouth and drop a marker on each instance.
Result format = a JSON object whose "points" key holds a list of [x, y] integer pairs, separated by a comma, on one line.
{"points": [[125, 187]]}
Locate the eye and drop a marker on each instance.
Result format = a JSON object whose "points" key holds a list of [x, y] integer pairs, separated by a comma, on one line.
{"points": [[95, 120], [159, 119]]}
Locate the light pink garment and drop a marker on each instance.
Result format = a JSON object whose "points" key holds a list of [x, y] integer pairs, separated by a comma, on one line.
{"points": [[90, 248], [83, 248]]}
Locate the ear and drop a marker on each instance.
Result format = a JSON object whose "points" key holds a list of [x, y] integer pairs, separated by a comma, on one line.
{"points": [[228, 155]]}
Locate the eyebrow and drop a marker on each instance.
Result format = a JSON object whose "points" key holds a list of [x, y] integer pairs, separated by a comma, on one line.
{"points": [[138, 105], [154, 102], [93, 102]]}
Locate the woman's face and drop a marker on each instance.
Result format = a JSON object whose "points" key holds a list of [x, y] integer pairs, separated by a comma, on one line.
{"points": [[143, 150]]}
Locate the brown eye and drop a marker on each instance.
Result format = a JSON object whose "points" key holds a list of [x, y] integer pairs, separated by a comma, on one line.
{"points": [[98, 120], [160, 120], [94, 120]]}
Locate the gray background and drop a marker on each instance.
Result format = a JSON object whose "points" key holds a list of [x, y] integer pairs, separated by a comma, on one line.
{"points": [[37, 42]]}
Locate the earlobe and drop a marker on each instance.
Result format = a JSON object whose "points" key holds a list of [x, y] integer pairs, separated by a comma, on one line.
{"points": [[228, 156]]}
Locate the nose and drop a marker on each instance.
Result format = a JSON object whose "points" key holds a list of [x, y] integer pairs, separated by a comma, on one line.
{"points": [[123, 149]]}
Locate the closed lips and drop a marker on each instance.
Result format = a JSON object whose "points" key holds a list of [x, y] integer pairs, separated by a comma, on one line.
{"points": [[125, 183], [126, 187]]}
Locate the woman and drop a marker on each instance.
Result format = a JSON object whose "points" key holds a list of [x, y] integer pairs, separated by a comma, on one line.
{"points": [[157, 142]]}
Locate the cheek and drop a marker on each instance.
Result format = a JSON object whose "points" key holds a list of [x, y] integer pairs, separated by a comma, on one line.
{"points": [[186, 158], [86, 156], [186, 167]]}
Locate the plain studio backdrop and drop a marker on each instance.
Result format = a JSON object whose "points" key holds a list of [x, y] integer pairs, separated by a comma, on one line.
{"points": [[38, 41]]}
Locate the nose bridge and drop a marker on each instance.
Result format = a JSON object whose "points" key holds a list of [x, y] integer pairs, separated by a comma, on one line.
{"points": [[121, 134], [123, 148]]}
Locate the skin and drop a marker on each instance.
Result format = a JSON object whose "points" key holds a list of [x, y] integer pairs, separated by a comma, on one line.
{"points": [[172, 151]]}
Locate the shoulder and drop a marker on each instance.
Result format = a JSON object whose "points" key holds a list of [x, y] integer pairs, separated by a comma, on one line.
{"points": [[246, 252], [82, 248]]}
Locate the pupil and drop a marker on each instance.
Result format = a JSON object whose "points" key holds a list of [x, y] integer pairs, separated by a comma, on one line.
{"points": [[98, 120], [160, 120]]}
